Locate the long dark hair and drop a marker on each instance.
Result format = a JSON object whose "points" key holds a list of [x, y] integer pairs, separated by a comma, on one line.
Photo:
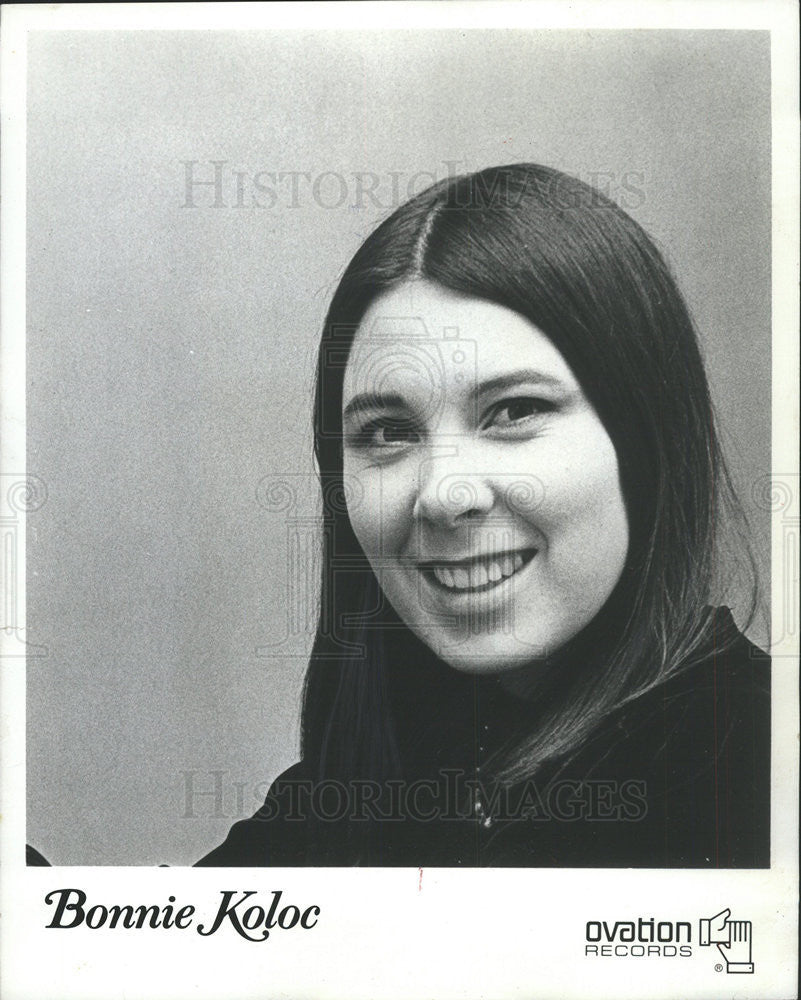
{"points": [[572, 262]]}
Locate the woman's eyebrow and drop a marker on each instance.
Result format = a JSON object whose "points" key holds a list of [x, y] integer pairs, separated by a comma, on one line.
{"points": [[510, 379], [374, 401]]}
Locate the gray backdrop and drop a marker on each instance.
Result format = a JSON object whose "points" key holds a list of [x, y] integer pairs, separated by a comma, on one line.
{"points": [[171, 326]]}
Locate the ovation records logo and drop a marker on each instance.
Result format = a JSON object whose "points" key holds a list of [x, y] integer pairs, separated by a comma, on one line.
{"points": [[647, 937], [733, 938]]}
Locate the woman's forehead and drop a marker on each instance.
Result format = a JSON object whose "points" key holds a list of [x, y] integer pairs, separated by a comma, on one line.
{"points": [[421, 334]]}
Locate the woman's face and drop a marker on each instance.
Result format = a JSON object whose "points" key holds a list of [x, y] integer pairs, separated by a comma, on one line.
{"points": [[482, 485]]}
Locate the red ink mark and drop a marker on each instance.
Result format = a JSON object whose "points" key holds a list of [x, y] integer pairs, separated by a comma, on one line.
{"points": [[420, 880]]}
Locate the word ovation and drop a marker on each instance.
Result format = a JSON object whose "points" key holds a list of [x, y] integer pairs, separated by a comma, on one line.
{"points": [[249, 918]]}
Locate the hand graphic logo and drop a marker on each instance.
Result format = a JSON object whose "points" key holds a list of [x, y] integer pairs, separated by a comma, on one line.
{"points": [[732, 937]]}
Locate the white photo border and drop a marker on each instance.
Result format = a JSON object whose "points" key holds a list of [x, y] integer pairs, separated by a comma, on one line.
{"points": [[405, 933]]}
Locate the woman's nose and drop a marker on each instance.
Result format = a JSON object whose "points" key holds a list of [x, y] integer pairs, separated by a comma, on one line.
{"points": [[450, 491]]}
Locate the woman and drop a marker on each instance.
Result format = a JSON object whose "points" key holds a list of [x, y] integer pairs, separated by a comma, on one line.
{"points": [[516, 661]]}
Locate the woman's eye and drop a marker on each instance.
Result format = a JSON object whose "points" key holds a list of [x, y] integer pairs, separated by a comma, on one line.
{"points": [[388, 434], [513, 412]]}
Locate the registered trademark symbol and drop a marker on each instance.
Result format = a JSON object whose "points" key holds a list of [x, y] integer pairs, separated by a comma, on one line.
{"points": [[718, 967]]}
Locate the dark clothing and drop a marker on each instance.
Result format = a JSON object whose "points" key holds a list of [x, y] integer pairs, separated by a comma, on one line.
{"points": [[34, 859], [678, 778]]}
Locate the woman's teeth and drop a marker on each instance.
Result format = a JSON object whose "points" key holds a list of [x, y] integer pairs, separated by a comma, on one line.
{"points": [[478, 573]]}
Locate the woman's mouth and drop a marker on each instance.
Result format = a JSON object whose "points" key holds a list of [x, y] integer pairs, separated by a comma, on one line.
{"points": [[477, 575]]}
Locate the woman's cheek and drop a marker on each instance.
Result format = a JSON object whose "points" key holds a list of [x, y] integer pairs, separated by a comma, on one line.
{"points": [[382, 518], [576, 479], [583, 514]]}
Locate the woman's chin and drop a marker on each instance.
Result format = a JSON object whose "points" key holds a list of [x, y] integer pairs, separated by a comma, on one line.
{"points": [[486, 655]]}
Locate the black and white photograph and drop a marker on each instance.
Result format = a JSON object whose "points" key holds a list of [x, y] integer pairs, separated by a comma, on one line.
{"points": [[400, 504]]}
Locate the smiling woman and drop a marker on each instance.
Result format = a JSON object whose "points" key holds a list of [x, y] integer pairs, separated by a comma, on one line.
{"points": [[517, 660], [490, 503]]}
